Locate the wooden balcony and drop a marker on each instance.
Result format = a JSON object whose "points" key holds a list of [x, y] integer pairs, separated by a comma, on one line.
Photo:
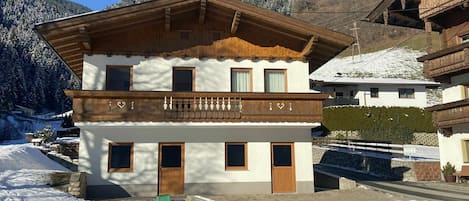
{"points": [[430, 8], [139, 106], [450, 114], [446, 62]]}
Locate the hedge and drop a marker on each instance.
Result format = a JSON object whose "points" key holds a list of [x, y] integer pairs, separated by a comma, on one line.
{"points": [[377, 118]]}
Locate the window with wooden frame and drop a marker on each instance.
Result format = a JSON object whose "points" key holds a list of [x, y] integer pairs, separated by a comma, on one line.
{"points": [[406, 93], [241, 80], [275, 81], [374, 92], [184, 79], [465, 91], [119, 78], [120, 157], [236, 156], [466, 150]]}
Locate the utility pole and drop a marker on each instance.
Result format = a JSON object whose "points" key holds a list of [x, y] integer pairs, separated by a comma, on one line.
{"points": [[357, 43]]}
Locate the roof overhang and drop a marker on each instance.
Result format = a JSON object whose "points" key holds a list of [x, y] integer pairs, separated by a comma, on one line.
{"points": [[71, 37]]}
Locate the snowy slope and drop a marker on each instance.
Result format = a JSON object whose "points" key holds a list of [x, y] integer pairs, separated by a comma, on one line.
{"points": [[24, 174], [388, 63]]}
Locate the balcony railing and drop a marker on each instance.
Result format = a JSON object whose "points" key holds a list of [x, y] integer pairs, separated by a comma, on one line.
{"points": [[447, 61], [341, 101], [450, 114], [139, 106], [429, 8]]}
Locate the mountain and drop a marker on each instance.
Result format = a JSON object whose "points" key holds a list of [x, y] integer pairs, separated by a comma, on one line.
{"points": [[31, 75]]}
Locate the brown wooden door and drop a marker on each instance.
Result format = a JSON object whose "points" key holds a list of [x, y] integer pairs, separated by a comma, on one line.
{"points": [[283, 168], [171, 168]]}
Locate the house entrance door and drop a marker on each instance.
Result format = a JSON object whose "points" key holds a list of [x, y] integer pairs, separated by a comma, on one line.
{"points": [[283, 168], [171, 168]]}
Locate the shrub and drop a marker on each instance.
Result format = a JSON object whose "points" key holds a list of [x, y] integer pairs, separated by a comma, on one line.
{"points": [[448, 169]]}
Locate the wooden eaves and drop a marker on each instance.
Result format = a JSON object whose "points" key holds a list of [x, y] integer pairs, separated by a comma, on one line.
{"points": [[72, 37]]}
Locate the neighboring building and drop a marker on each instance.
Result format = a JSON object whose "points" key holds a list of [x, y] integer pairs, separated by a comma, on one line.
{"points": [[194, 96], [374, 91], [449, 65]]}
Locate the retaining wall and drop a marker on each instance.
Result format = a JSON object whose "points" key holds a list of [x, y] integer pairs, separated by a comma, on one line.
{"points": [[379, 164]]}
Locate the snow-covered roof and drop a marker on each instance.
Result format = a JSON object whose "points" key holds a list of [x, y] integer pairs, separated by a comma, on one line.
{"points": [[385, 81], [392, 62]]}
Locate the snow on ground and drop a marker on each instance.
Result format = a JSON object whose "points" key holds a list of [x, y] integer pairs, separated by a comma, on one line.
{"points": [[388, 63], [24, 174]]}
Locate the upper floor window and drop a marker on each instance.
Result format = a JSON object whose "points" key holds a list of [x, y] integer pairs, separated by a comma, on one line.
{"points": [[406, 93], [374, 92], [183, 79], [118, 78], [465, 38], [275, 81], [120, 157], [241, 80]]}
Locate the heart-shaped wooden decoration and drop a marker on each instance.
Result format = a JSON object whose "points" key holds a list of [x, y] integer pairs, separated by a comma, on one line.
{"points": [[280, 105], [121, 104]]}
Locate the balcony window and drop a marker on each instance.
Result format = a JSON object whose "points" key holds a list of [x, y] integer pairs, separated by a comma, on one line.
{"points": [[465, 38], [120, 157], [374, 92], [118, 78], [275, 81], [236, 156], [183, 79], [406, 93], [241, 80]]}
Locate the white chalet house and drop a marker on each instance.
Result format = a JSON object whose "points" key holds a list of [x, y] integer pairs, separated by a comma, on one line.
{"points": [[194, 96], [374, 91]]}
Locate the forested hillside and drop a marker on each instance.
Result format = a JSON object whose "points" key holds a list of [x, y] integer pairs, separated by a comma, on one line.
{"points": [[31, 75]]}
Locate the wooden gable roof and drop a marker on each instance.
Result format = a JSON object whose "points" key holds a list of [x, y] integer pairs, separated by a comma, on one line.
{"points": [[191, 28]]}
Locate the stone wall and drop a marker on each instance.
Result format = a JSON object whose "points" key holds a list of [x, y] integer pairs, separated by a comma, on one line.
{"points": [[379, 164], [73, 183]]}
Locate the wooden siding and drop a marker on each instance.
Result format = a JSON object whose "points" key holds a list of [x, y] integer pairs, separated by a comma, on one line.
{"points": [[429, 8], [133, 106], [446, 62], [450, 114], [451, 37]]}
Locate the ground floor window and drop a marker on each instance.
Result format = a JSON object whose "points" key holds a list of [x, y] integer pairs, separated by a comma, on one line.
{"points": [[120, 157], [406, 93], [236, 156], [466, 151]]}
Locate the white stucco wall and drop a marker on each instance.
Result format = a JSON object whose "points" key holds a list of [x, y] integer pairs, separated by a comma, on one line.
{"points": [[155, 73], [451, 148], [455, 91], [204, 152], [388, 95]]}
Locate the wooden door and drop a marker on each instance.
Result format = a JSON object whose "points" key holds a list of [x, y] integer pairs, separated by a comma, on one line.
{"points": [[171, 168], [283, 168]]}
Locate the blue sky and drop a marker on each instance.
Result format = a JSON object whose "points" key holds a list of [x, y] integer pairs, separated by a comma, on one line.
{"points": [[95, 4]]}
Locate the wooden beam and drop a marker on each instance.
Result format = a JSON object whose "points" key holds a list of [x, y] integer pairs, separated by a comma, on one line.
{"points": [[85, 38], [428, 31], [235, 22], [309, 46], [386, 16], [403, 4], [203, 11], [167, 19]]}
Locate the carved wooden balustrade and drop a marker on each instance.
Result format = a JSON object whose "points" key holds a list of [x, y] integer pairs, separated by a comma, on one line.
{"points": [[140, 106], [447, 61], [450, 114]]}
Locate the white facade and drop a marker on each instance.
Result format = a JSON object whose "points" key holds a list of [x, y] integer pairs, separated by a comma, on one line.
{"points": [[212, 75]]}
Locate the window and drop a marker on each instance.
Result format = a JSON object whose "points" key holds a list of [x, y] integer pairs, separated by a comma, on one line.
{"points": [[465, 38], [466, 151], [374, 92], [120, 157], [183, 79], [282, 155], [236, 156], [406, 93], [466, 91], [352, 94], [241, 80], [171, 156], [339, 94], [275, 81], [118, 78]]}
